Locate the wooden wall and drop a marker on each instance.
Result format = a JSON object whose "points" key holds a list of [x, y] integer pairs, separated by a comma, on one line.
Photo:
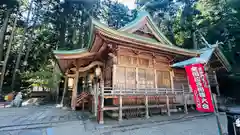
{"points": [[141, 69]]}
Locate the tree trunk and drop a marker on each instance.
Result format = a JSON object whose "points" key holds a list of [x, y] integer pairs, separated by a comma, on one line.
{"points": [[30, 42], [56, 81], [63, 28], [80, 38], [21, 48], [195, 46], [7, 54], [2, 32]]}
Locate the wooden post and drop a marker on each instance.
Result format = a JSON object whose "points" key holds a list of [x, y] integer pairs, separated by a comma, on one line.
{"points": [[215, 103], [217, 86], [74, 92], [136, 79], [146, 105], [114, 76], [101, 121], [168, 106], [185, 104], [96, 97], [155, 78], [185, 100], [172, 81], [120, 106]]}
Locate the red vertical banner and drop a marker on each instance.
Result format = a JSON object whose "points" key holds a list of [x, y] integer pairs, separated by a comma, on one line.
{"points": [[200, 88]]}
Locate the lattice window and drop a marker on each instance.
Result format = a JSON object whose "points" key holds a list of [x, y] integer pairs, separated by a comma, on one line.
{"points": [[163, 79]]}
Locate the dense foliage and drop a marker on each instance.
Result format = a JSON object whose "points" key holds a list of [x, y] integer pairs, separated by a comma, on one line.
{"points": [[65, 25]]}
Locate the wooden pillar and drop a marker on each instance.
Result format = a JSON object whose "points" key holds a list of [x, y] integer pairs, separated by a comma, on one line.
{"points": [[74, 91], [172, 80], [146, 106], [185, 97], [155, 78], [217, 85], [168, 106], [215, 103], [114, 75], [120, 106], [136, 79], [94, 103], [101, 120]]}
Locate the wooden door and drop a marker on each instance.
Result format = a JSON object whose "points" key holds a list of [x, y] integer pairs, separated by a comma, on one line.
{"points": [[130, 78], [121, 77], [142, 78], [163, 79], [150, 79]]}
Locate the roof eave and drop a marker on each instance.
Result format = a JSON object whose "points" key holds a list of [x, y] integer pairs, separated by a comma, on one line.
{"points": [[78, 51], [152, 45], [224, 60]]}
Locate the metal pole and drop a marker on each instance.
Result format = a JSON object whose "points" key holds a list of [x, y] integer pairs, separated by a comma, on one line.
{"points": [[215, 109]]}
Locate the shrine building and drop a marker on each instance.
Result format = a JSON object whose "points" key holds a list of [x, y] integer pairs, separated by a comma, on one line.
{"points": [[134, 71]]}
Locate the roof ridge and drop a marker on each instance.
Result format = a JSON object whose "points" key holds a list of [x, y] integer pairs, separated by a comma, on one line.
{"points": [[142, 14]]}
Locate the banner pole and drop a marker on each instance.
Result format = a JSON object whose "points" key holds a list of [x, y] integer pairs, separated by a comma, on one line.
{"points": [[214, 104]]}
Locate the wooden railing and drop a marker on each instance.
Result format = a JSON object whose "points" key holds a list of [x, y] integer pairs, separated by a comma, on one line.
{"points": [[147, 91], [146, 94], [82, 99]]}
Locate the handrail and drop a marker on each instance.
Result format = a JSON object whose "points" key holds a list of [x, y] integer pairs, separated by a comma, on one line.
{"points": [[147, 91]]}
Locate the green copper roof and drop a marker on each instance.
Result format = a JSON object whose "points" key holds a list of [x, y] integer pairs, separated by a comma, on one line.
{"points": [[203, 58], [146, 40], [142, 15], [71, 51], [206, 54]]}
